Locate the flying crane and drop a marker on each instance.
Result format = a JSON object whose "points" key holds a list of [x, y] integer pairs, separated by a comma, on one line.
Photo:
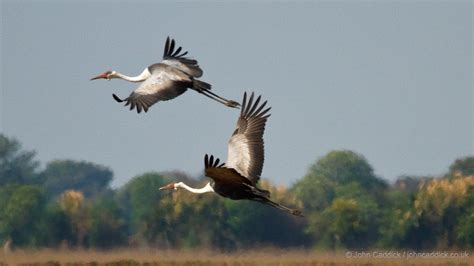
{"points": [[166, 80], [237, 178]]}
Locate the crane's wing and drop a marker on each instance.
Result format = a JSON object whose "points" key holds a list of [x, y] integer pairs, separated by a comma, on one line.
{"points": [[162, 85], [177, 60], [221, 174], [245, 148]]}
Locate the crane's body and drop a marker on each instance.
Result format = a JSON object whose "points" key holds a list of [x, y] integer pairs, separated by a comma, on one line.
{"points": [[165, 80], [237, 178]]}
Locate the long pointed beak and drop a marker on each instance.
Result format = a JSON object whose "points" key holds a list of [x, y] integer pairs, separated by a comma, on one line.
{"points": [[101, 76], [169, 186]]}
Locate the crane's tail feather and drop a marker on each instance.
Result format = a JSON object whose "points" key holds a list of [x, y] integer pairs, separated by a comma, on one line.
{"points": [[201, 85]]}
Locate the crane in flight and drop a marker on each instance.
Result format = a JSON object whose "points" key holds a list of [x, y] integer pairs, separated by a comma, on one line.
{"points": [[166, 80], [237, 178]]}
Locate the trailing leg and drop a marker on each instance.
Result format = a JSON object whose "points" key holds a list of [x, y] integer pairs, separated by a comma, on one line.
{"points": [[279, 206], [205, 88]]}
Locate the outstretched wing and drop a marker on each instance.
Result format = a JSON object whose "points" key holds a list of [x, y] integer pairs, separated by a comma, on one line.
{"points": [[177, 60], [245, 148], [162, 85], [221, 174]]}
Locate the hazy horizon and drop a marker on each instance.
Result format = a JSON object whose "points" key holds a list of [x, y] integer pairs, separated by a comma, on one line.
{"points": [[391, 81]]}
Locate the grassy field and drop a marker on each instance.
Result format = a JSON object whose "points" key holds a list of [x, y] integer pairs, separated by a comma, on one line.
{"points": [[206, 257]]}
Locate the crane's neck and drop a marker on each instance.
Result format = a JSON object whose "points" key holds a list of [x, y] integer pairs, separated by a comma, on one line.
{"points": [[144, 75], [205, 189]]}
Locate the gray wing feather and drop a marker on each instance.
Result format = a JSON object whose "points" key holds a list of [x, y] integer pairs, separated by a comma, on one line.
{"points": [[245, 148], [163, 84]]}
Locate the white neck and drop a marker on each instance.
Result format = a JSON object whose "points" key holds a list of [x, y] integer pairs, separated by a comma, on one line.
{"points": [[205, 189], [144, 75]]}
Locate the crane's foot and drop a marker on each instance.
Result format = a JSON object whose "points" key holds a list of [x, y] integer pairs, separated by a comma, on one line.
{"points": [[297, 213], [232, 104]]}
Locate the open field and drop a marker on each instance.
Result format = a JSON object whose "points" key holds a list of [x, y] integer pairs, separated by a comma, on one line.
{"points": [[207, 257]]}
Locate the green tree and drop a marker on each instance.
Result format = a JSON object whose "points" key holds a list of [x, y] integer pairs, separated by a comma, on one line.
{"points": [[16, 165], [22, 213], [465, 228], [6, 191], [201, 219], [89, 178], [344, 167], [140, 203], [315, 192], [108, 228], [410, 184], [341, 196], [56, 228], [73, 204], [351, 221], [463, 165], [317, 188], [399, 219], [439, 205]]}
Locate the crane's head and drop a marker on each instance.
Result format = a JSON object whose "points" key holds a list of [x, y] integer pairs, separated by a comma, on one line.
{"points": [[106, 75], [170, 186]]}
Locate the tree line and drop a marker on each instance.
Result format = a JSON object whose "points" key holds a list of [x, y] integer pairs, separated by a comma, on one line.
{"points": [[71, 204]]}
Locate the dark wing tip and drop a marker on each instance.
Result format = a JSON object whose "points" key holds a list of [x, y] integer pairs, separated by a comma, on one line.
{"points": [[117, 98], [249, 103], [211, 162], [244, 103], [167, 45], [254, 107], [170, 52], [251, 108], [171, 49]]}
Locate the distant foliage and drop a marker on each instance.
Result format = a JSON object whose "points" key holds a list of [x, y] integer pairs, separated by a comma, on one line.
{"points": [[16, 166], [91, 179], [346, 206], [21, 214], [440, 204], [342, 167], [255, 224], [73, 205], [107, 228], [464, 166], [464, 230], [144, 214]]}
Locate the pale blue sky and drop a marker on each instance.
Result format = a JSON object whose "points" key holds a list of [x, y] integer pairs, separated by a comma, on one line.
{"points": [[389, 80]]}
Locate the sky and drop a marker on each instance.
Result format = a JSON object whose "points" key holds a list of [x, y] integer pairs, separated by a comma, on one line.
{"points": [[390, 80]]}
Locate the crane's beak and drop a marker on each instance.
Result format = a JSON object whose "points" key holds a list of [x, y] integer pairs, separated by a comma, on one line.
{"points": [[169, 186], [102, 76]]}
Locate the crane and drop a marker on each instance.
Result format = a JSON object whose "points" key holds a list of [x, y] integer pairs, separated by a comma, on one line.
{"points": [[165, 80], [237, 178]]}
